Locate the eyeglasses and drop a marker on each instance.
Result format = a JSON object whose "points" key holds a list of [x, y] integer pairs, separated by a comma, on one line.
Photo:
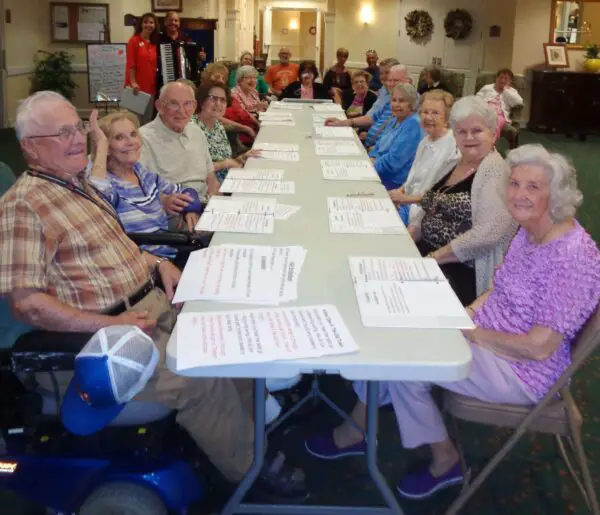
{"points": [[173, 105], [66, 133], [217, 99]]}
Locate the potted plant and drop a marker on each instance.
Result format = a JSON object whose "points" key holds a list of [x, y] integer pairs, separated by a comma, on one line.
{"points": [[592, 62], [53, 71]]}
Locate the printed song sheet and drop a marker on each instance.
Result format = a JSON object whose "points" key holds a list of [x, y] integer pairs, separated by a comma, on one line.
{"points": [[319, 119], [239, 214], [276, 155], [349, 170], [261, 335], [405, 292], [328, 108], [327, 147], [334, 132], [360, 215], [257, 186], [284, 211], [258, 174], [279, 123], [275, 115], [277, 147], [242, 273], [286, 106]]}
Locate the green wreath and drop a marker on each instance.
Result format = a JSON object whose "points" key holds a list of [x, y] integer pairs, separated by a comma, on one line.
{"points": [[458, 24], [419, 24]]}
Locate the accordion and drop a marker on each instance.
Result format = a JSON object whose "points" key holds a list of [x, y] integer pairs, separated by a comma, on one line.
{"points": [[178, 61]]}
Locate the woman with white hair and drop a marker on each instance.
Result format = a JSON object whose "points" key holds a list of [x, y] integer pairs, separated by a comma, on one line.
{"points": [[245, 92], [542, 295], [247, 59], [464, 223], [397, 141]]}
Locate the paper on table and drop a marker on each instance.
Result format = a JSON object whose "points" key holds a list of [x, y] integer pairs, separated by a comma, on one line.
{"points": [[325, 147], [242, 273], [275, 115], [275, 155], [319, 119], [262, 174], [241, 205], [390, 293], [285, 106], [260, 335], [281, 123], [234, 222], [257, 186], [327, 108], [364, 216], [277, 147], [349, 170], [334, 132], [284, 211]]}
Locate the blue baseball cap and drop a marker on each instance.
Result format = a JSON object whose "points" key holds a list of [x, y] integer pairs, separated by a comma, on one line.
{"points": [[111, 369]]}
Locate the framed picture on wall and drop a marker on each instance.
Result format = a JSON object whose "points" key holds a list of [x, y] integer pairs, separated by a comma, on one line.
{"points": [[167, 5], [556, 55]]}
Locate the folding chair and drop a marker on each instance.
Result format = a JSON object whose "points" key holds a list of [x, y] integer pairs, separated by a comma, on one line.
{"points": [[555, 414]]}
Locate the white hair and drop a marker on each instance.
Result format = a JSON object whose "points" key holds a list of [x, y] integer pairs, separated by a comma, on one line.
{"points": [[399, 68], [165, 87], [409, 93], [565, 196], [473, 106], [245, 71], [27, 110]]}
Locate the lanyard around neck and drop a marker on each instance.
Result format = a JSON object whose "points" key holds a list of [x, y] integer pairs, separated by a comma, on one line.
{"points": [[79, 191]]}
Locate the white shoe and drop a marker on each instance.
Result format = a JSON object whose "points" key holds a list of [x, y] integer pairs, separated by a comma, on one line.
{"points": [[276, 385], [272, 409]]}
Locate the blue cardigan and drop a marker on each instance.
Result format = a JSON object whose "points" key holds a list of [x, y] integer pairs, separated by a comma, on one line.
{"points": [[395, 150]]}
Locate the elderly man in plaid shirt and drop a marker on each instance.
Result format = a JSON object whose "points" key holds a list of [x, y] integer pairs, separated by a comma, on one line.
{"points": [[67, 265]]}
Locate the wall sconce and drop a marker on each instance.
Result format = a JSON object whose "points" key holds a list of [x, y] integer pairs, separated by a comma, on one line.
{"points": [[366, 15], [293, 24]]}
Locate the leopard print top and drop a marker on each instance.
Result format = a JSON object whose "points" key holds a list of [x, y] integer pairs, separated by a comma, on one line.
{"points": [[447, 211]]}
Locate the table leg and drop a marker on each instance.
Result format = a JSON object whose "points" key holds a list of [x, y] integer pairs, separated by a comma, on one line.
{"points": [[260, 396]]}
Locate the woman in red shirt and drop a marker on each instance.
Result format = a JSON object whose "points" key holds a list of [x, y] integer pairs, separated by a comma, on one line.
{"points": [[142, 55]]}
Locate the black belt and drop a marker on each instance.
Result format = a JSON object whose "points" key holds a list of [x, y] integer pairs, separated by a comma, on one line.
{"points": [[123, 306]]}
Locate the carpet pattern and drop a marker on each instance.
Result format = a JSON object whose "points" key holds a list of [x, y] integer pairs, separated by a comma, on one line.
{"points": [[532, 480]]}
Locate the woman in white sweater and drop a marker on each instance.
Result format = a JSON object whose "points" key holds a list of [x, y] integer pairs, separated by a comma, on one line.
{"points": [[465, 225], [436, 154]]}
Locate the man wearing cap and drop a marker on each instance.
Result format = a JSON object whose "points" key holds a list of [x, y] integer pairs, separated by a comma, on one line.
{"points": [[67, 265]]}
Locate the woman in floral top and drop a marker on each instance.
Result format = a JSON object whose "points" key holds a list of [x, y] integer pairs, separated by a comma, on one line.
{"points": [[213, 98]]}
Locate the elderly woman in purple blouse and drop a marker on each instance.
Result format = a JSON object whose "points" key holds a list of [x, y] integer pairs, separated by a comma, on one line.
{"points": [[542, 294]]}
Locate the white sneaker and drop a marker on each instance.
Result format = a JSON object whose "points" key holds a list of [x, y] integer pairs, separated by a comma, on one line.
{"points": [[272, 409]]}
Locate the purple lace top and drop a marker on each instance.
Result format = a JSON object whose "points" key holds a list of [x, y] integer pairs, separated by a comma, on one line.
{"points": [[555, 285]]}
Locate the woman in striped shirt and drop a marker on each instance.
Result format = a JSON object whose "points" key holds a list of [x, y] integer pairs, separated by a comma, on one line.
{"points": [[142, 199]]}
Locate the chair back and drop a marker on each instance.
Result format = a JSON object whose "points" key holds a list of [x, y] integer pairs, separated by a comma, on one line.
{"points": [[7, 178], [588, 340]]}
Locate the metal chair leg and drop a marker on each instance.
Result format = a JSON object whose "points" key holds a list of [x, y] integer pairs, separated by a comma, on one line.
{"points": [[583, 463], [565, 456], [461, 454]]}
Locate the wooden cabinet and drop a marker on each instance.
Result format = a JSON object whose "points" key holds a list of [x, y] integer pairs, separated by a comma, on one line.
{"points": [[567, 102]]}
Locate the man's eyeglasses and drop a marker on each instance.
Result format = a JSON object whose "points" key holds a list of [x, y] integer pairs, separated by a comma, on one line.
{"points": [[66, 133], [216, 99], [173, 105]]}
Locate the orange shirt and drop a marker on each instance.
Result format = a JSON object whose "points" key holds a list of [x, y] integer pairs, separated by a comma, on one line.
{"points": [[142, 56], [279, 76]]}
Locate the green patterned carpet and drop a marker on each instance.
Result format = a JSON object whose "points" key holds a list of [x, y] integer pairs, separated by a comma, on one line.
{"points": [[533, 480]]}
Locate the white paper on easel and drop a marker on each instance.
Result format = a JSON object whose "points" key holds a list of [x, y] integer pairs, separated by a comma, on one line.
{"points": [[327, 147], [258, 174], [260, 335], [349, 170], [360, 215], [405, 292], [334, 132]]}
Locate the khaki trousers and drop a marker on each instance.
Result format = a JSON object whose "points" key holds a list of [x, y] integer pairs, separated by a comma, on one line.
{"points": [[216, 412]]}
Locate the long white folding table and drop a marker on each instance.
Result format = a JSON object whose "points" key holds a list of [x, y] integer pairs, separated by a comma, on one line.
{"points": [[385, 354]]}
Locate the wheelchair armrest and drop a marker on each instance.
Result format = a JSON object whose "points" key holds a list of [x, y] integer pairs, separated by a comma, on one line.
{"points": [[178, 240], [45, 351]]}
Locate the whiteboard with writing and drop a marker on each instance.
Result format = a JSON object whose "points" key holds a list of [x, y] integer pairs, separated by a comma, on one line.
{"points": [[106, 71]]}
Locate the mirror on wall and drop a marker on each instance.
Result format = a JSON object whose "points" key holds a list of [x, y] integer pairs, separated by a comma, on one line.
{"points": [[575, 23]]}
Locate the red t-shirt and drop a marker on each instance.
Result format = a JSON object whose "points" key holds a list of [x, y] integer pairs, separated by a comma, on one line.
{"points": [[142, 56]]}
